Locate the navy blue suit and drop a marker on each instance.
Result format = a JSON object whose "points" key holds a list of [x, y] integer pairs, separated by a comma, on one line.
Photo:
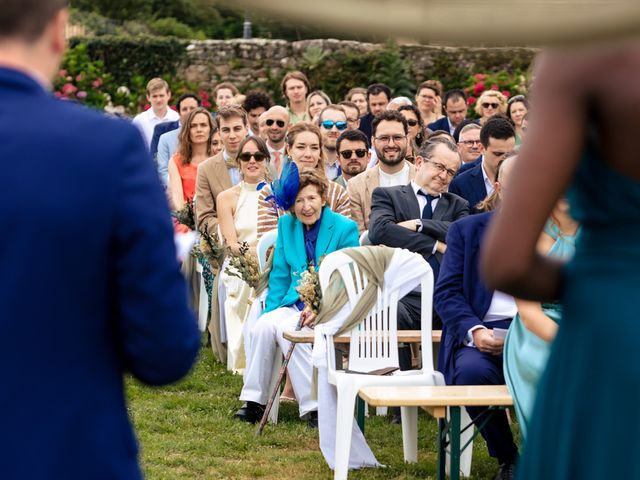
{"points": [[89, 287], [160, 130], [470, 186], [462, 300], [470, 165], [366, 126], [440, 124]]}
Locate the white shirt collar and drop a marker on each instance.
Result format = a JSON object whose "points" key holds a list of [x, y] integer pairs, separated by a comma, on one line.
{"points": [[489, 185]]}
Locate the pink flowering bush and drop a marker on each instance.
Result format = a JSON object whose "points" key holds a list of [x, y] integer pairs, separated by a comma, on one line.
{"points": [[509, 84]]}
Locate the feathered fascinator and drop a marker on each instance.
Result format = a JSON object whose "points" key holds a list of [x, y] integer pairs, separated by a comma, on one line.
{"points": [[285, 189]]}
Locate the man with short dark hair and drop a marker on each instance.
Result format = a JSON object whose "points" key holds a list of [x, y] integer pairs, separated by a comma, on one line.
{"points": [[167, 141], [220, 172], [455, 107], [378, 96], [353, 114], [255, 103], [353, 154], [101, 293], [332, 120], [498, 138], [390, 143]]}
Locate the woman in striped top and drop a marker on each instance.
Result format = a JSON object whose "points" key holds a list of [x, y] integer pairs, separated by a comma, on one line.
{"points": [[304, 147]]}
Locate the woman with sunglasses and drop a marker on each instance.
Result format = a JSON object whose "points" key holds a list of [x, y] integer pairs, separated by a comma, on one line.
{"points": [[304, 147], [490, 103], [517, 108], [237, 216], [414, 121], [316, 101]]}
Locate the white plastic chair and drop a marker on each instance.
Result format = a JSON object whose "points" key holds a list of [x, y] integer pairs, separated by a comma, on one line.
{"points": [[364, 238], [373, 346], [203, 301], [269, 240]]}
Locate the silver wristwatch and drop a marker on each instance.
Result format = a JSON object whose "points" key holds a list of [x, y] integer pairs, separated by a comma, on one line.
{"points": [[418, 225]]}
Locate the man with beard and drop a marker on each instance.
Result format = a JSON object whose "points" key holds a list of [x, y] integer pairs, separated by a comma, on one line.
{"points": [[378, 96], [255, 104], [353, 154], [332, 120], [390, 143], [417, 216], [276, 123]]}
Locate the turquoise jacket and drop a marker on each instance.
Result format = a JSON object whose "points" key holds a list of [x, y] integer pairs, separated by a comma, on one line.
{"points": [[290, 260]]}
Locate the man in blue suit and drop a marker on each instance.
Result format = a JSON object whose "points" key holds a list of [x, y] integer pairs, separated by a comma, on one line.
{"points": [[470, 354], [498, 138], [185, 104], [90, 285], [455, 107]]}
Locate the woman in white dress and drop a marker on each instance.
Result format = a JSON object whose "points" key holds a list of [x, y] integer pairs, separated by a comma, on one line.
{"points": [[238, 219]]}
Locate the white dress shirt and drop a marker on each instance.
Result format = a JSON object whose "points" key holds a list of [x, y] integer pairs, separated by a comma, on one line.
{"points": [[147, 121], [394, 179]]}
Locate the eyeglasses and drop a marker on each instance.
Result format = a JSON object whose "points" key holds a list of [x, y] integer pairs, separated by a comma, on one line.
{"points": [[328, 125], [441, 168], [270, 122], [470, 143], [388, 138], [360, 152], [411, 122], [492, 105], [257, 156]]}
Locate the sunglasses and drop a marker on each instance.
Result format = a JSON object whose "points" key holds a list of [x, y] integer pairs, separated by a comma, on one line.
{"points": [[270, 122], [328, 125], [257, 156], [412, 123], [360, 152], [492, 105]]}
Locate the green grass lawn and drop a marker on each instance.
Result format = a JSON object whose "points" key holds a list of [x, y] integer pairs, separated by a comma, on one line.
{"points": [[187, 431]]}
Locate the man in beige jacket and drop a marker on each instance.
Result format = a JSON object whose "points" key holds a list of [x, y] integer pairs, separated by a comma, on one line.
{"points": [[389, 139], [220, 172]]}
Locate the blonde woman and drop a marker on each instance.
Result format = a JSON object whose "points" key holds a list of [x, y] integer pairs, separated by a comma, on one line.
{"points": [[490, 103]]}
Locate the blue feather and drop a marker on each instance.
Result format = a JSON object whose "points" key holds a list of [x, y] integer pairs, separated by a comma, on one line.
{"points": [[285, 189]]}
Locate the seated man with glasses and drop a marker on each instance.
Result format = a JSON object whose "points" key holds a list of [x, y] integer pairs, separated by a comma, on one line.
{"points": [[353, 155], [498, 137], [470, 147], [416, 216], [332, 120], [276, 124], [390, 143]]}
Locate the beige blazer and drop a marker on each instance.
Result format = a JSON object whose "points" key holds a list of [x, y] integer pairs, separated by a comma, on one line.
{"points": [[213, 178], [360, 189]]}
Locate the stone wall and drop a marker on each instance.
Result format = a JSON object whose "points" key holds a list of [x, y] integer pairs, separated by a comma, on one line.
{"points": [[260, 61]]}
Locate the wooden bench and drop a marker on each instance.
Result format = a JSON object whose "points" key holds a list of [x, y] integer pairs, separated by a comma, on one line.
{"points": [[436, 400], [404, 336]]}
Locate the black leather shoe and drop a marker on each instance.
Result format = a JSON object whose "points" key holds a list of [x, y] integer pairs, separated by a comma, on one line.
{"points": [[396, 416], [250, 412], [506, 471], [312, 419]]}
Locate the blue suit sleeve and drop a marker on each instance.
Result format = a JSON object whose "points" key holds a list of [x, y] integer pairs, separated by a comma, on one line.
{"points": [[280, 276], [158, 333], [454, 187], [163, 160], [351, 237], [449, 299]]}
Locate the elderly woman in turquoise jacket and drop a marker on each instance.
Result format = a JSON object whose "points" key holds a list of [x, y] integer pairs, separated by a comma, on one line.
{"points": [[310, 233]]}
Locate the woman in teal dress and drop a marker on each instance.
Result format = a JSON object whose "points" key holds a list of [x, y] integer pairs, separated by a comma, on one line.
{"points": [[584, 135], [526, 348]]}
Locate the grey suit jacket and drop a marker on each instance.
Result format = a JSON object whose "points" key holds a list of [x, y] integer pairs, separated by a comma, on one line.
{"points": [[393, 205]]}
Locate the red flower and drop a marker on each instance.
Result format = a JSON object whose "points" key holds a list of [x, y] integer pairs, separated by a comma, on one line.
{"points": [[203, 95], [62, 73], [506, 93], [466, 91], [79, 77], [206, 103], [146, 107], [97, 83], [479, 76], [471, 100], [173, 107], [478, 88], [494, 87], [68, 89]]}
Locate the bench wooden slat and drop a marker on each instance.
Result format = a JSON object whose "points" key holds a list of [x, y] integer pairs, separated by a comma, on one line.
{"points": [[445, 396], [404, 336]]}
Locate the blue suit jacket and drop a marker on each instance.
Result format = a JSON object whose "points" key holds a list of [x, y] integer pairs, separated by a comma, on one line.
{"points": [[89, 287], [470, 186], [167, 146], [460, 296], [290, 260], [440, 124], [160, 130], [470, 165]]}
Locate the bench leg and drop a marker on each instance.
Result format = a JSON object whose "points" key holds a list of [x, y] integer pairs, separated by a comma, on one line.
{"points": [[360, 407], [442, 448], [454, 433]]}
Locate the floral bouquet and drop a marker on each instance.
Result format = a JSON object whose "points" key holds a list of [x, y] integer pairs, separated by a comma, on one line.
{"points": [[186, 215], [309, 289], [244, 266], [211, 249]]}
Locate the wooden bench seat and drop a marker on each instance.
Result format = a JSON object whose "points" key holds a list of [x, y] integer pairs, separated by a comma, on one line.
{"points": [[404, 336]]}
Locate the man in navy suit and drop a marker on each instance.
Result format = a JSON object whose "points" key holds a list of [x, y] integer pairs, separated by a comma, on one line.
{"points": [[470, 354], [455, 107], [498, 138], [378, 96], [89, 285], [185, 104]]}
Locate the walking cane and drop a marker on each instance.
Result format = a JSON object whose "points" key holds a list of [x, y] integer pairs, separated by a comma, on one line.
{"points": [[265, 415]]}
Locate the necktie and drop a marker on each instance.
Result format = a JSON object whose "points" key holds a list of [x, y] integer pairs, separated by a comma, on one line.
{"points": [[276, 161], [427, 212]]}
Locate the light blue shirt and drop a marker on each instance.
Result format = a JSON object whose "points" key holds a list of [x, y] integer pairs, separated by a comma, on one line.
{"points": [[167, 146], [234, 173]]}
